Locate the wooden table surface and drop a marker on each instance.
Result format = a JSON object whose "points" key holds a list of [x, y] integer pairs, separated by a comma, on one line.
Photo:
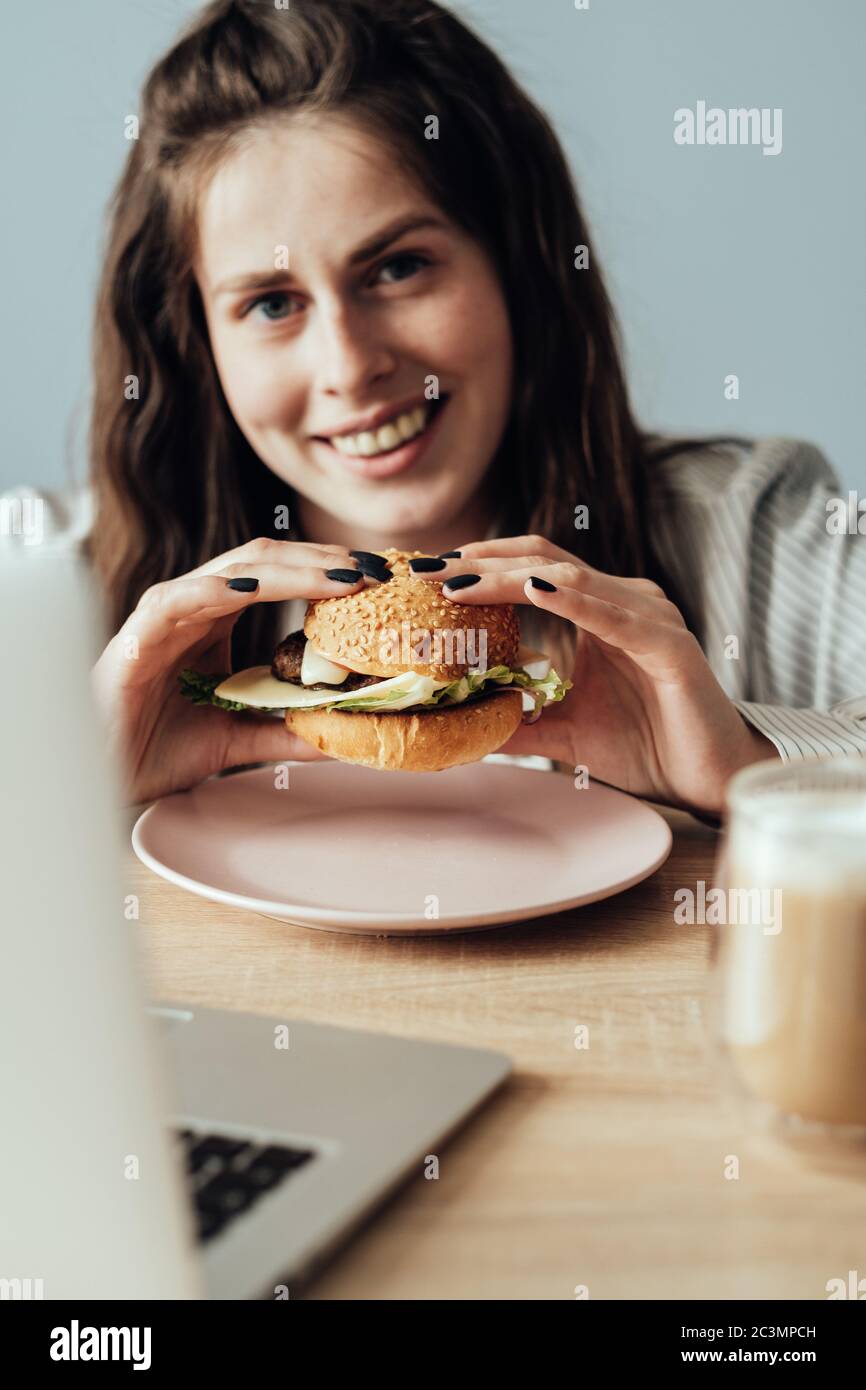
{"points": [[606, 1167]]}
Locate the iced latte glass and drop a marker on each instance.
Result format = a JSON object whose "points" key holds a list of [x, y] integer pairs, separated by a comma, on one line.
{"points": [[789, 949]]}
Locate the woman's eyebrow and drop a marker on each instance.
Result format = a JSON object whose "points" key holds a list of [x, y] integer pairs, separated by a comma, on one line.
{"points": [[382, 240], [254, 280], [266, 279]]}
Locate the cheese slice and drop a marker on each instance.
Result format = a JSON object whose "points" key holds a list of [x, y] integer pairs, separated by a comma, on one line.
{"points": [[534, 663], [315, 667], [259, 689]]}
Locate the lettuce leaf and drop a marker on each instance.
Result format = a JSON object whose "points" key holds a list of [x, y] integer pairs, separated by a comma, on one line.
{"points": [[544, 690]]}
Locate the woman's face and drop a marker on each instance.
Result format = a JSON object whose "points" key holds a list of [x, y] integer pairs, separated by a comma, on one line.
{"points": [[327, 364]]}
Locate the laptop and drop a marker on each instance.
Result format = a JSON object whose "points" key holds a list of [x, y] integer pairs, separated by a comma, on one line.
{"points": [[159, 1150]]}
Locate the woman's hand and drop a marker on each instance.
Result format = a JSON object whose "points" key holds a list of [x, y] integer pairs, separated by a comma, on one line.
{"points": [[164, 742], [646, 712]]}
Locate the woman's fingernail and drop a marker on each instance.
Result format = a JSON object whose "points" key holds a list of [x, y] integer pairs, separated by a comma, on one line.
{"points": [[344, 576], [243, 586], [375, 571], [369, 556], [542, 584], [461, 581], [427, 565], [450, 555]]}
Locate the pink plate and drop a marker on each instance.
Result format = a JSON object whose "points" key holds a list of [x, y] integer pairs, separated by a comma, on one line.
{"points": [[347, 849]]}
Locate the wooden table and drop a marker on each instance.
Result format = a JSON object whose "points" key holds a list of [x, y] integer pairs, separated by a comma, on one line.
{"points": [[602, 1167]]}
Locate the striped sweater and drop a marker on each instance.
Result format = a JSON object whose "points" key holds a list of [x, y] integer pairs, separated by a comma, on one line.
{"points": [[776, 599]]}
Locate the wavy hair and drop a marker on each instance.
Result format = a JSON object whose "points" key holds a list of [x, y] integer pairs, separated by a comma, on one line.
{"points": [[175, 480]]}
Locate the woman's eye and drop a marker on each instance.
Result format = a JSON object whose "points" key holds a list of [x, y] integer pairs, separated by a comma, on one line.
{"points": [[278, 302], [402, 267]]}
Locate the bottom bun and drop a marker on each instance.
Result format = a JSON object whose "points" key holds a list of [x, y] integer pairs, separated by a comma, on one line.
{"points": [[412, 740]]}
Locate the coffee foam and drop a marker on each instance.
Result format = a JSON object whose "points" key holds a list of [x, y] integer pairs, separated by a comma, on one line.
{"points": [[811, 841]]}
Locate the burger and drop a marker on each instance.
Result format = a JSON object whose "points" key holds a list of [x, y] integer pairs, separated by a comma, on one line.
{"points": [[396, 676]]}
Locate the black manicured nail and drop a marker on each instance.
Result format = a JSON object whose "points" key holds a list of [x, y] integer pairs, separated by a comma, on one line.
{"points": [[375, 571], [461, 581], [369, 556], [344, 576], [542, 584], [243, 586], [426, 565], [450, 555]]}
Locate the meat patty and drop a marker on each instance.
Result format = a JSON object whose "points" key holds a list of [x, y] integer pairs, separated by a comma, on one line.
{"points": [[286, 666]]}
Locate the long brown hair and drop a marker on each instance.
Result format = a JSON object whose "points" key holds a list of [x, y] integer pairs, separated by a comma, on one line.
{"points": [[175, 480]]}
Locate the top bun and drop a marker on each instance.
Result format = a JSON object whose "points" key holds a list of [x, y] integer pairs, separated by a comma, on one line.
{"points": [[406, 624]]}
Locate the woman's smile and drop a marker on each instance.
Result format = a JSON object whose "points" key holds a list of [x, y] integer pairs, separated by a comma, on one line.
{"points": [[403, 437]]}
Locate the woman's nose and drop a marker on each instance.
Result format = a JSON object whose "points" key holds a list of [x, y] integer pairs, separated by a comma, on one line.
{"points": [[351, 353]]}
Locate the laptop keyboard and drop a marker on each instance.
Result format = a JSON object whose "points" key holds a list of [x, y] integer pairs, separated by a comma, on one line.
{"points": [[227, 1175]]}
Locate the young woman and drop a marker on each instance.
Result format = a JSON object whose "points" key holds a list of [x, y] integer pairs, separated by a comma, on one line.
{"points": [[346, 212]]}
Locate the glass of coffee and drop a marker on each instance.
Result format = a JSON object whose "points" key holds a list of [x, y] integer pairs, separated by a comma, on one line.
{"points": [[789, 948]]}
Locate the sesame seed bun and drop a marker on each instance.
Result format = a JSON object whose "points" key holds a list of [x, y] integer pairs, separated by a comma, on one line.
{"points": [[412, 740], [380, 631]]}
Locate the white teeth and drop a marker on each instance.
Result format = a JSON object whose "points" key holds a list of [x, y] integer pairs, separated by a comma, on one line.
{"points": [[371, 442], [388, 437], [414, 422]]}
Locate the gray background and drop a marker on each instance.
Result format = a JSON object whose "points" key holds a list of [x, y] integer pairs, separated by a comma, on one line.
{"points": [[720, 259]]}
